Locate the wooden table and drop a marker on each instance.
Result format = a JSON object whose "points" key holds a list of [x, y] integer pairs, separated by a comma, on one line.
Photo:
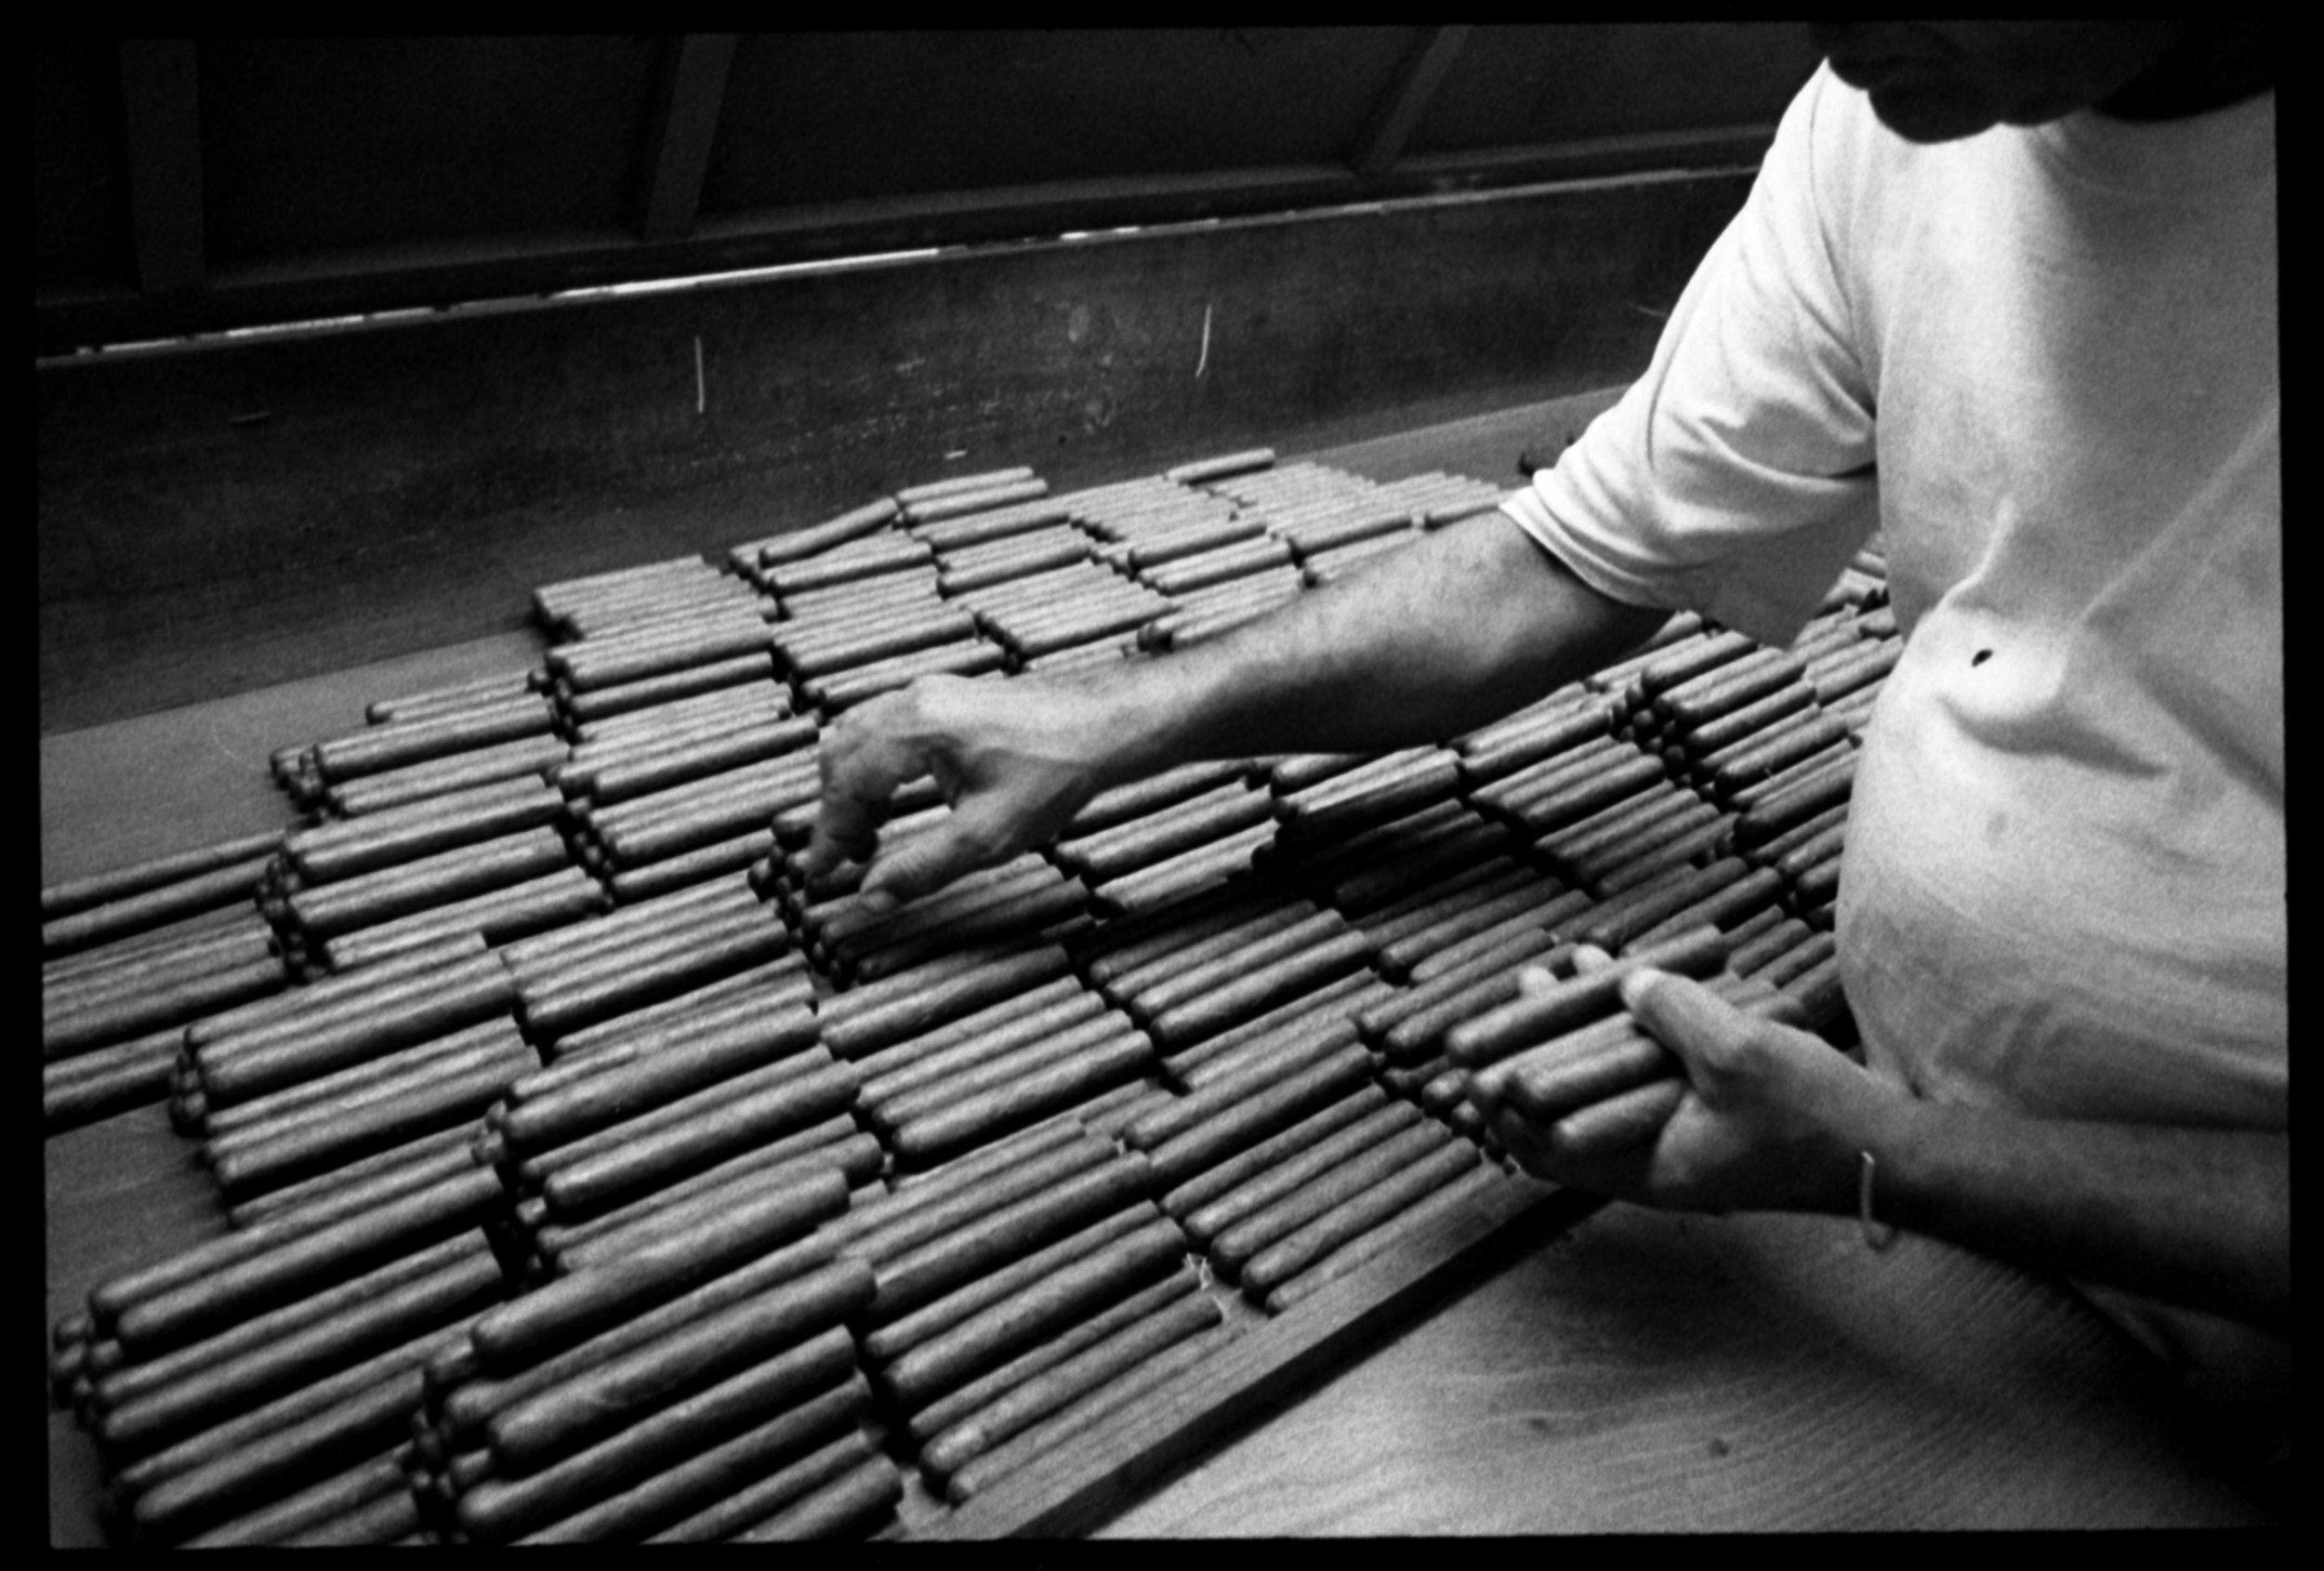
{"points": [[1636, 1372]]}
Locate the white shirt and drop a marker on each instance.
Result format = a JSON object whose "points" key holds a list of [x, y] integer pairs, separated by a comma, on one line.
{"points": [[2043, 362]]}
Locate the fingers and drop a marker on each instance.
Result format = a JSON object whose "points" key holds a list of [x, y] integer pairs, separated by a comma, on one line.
{"points": [[1589, 957], [862, 763], [1618, 1122], [1683, 1014]]}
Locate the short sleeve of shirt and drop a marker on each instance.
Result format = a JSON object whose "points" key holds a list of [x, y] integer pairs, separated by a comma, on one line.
{"points": [[1735, 477]]}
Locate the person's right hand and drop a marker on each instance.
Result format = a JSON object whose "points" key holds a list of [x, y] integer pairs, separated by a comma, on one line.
{"points": [[1016, 759]]}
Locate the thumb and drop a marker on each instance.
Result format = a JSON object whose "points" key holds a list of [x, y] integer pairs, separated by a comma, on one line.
{"points": [[1680, 1012], [923, 864]]}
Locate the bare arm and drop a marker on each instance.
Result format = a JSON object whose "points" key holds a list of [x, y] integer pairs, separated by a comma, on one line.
{"points": [[1456, 630], [1773, 1119]]}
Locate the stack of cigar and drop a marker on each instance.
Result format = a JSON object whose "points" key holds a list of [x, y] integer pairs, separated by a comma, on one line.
{"points": [[259, 1388], [370, 1078], [671, 794], [128, 958], [687, 1373], [990, 1150], [478, 733], [1026, 1294]]}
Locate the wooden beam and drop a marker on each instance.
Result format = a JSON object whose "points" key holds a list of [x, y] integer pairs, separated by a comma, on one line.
{"points": [[162, 129], [443, 274], [686, 122], [1419, 74]]}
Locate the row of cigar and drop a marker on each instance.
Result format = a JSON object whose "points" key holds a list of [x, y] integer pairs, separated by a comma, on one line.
{"points": [[1191, 1067]]}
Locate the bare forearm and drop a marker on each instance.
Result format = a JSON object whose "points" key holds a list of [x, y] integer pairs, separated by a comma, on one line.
{"points": [[1453, 632], [2200, 1218]]}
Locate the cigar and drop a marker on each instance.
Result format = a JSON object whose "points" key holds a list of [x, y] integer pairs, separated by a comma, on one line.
{"points": [[101, 976], [1254, 1118], [314, 1507], [429, 1159], [1421, 1217], [930, 1270], [857, 1024], [428, 828], [1727, 688], [969, 658], [627, 698], [1010, 1023], [633, 885], [1362, 522], [1054, 1432], [338, 1423], [1795, 862], [1263, 1190], [1186, 975], [1529, 897], [636, 1031], [1817, 990], [1722, 908], [653, 971], [1407, 914], [722, 1490], [126, 1386], [157, 908], [554, 1423], [333, 1138], [605, 1098], [1250, 992], [711, 755], [496, 1510], [107, 1024], [1646, 905], [1258, 1062], [835, 1143], [1067, 1382], [1231, 1246], [678, 1149], [846, 1507], [992, 1335], [534, 960], [533, 1169], [964, 1075], [1526, 1021], [220, 1384], [375, 793], [436, 1002], [1198, 822], [327, 1095], [1197, 535], [1550, 918], [799, 543], [1750, 959], [1658, 850], [1760, 760], [1327, 1010], [699, 640], [1599, 787], [1205, 472], [1837, 677], [1363, 1207], [1382, 874], [463, 1406], [561, 1312], [1547, 710], [1684, 665], [969, 493], [936, 1131], [884, 1343], [1816, 884], [303, 1263], [371, 898], [1205, 1189], [495, 916], [1594, 840], [73, 895], [1018, 915]]}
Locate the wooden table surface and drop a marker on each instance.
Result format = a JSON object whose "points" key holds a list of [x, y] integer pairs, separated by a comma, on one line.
{"points": [[1639, 1372]]}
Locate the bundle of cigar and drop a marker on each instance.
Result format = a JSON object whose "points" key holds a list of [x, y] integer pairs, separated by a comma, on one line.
{"points": [[603, 1180]]}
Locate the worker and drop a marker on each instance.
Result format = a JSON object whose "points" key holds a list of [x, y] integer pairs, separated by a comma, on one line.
{"points": [[2005, 292]]}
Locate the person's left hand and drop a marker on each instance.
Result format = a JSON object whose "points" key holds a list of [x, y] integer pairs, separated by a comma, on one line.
{"points": [[1765, 1117]]}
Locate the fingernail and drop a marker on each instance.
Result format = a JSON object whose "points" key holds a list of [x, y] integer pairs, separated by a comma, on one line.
{"points": [[878, 902], [1634, 985]]}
